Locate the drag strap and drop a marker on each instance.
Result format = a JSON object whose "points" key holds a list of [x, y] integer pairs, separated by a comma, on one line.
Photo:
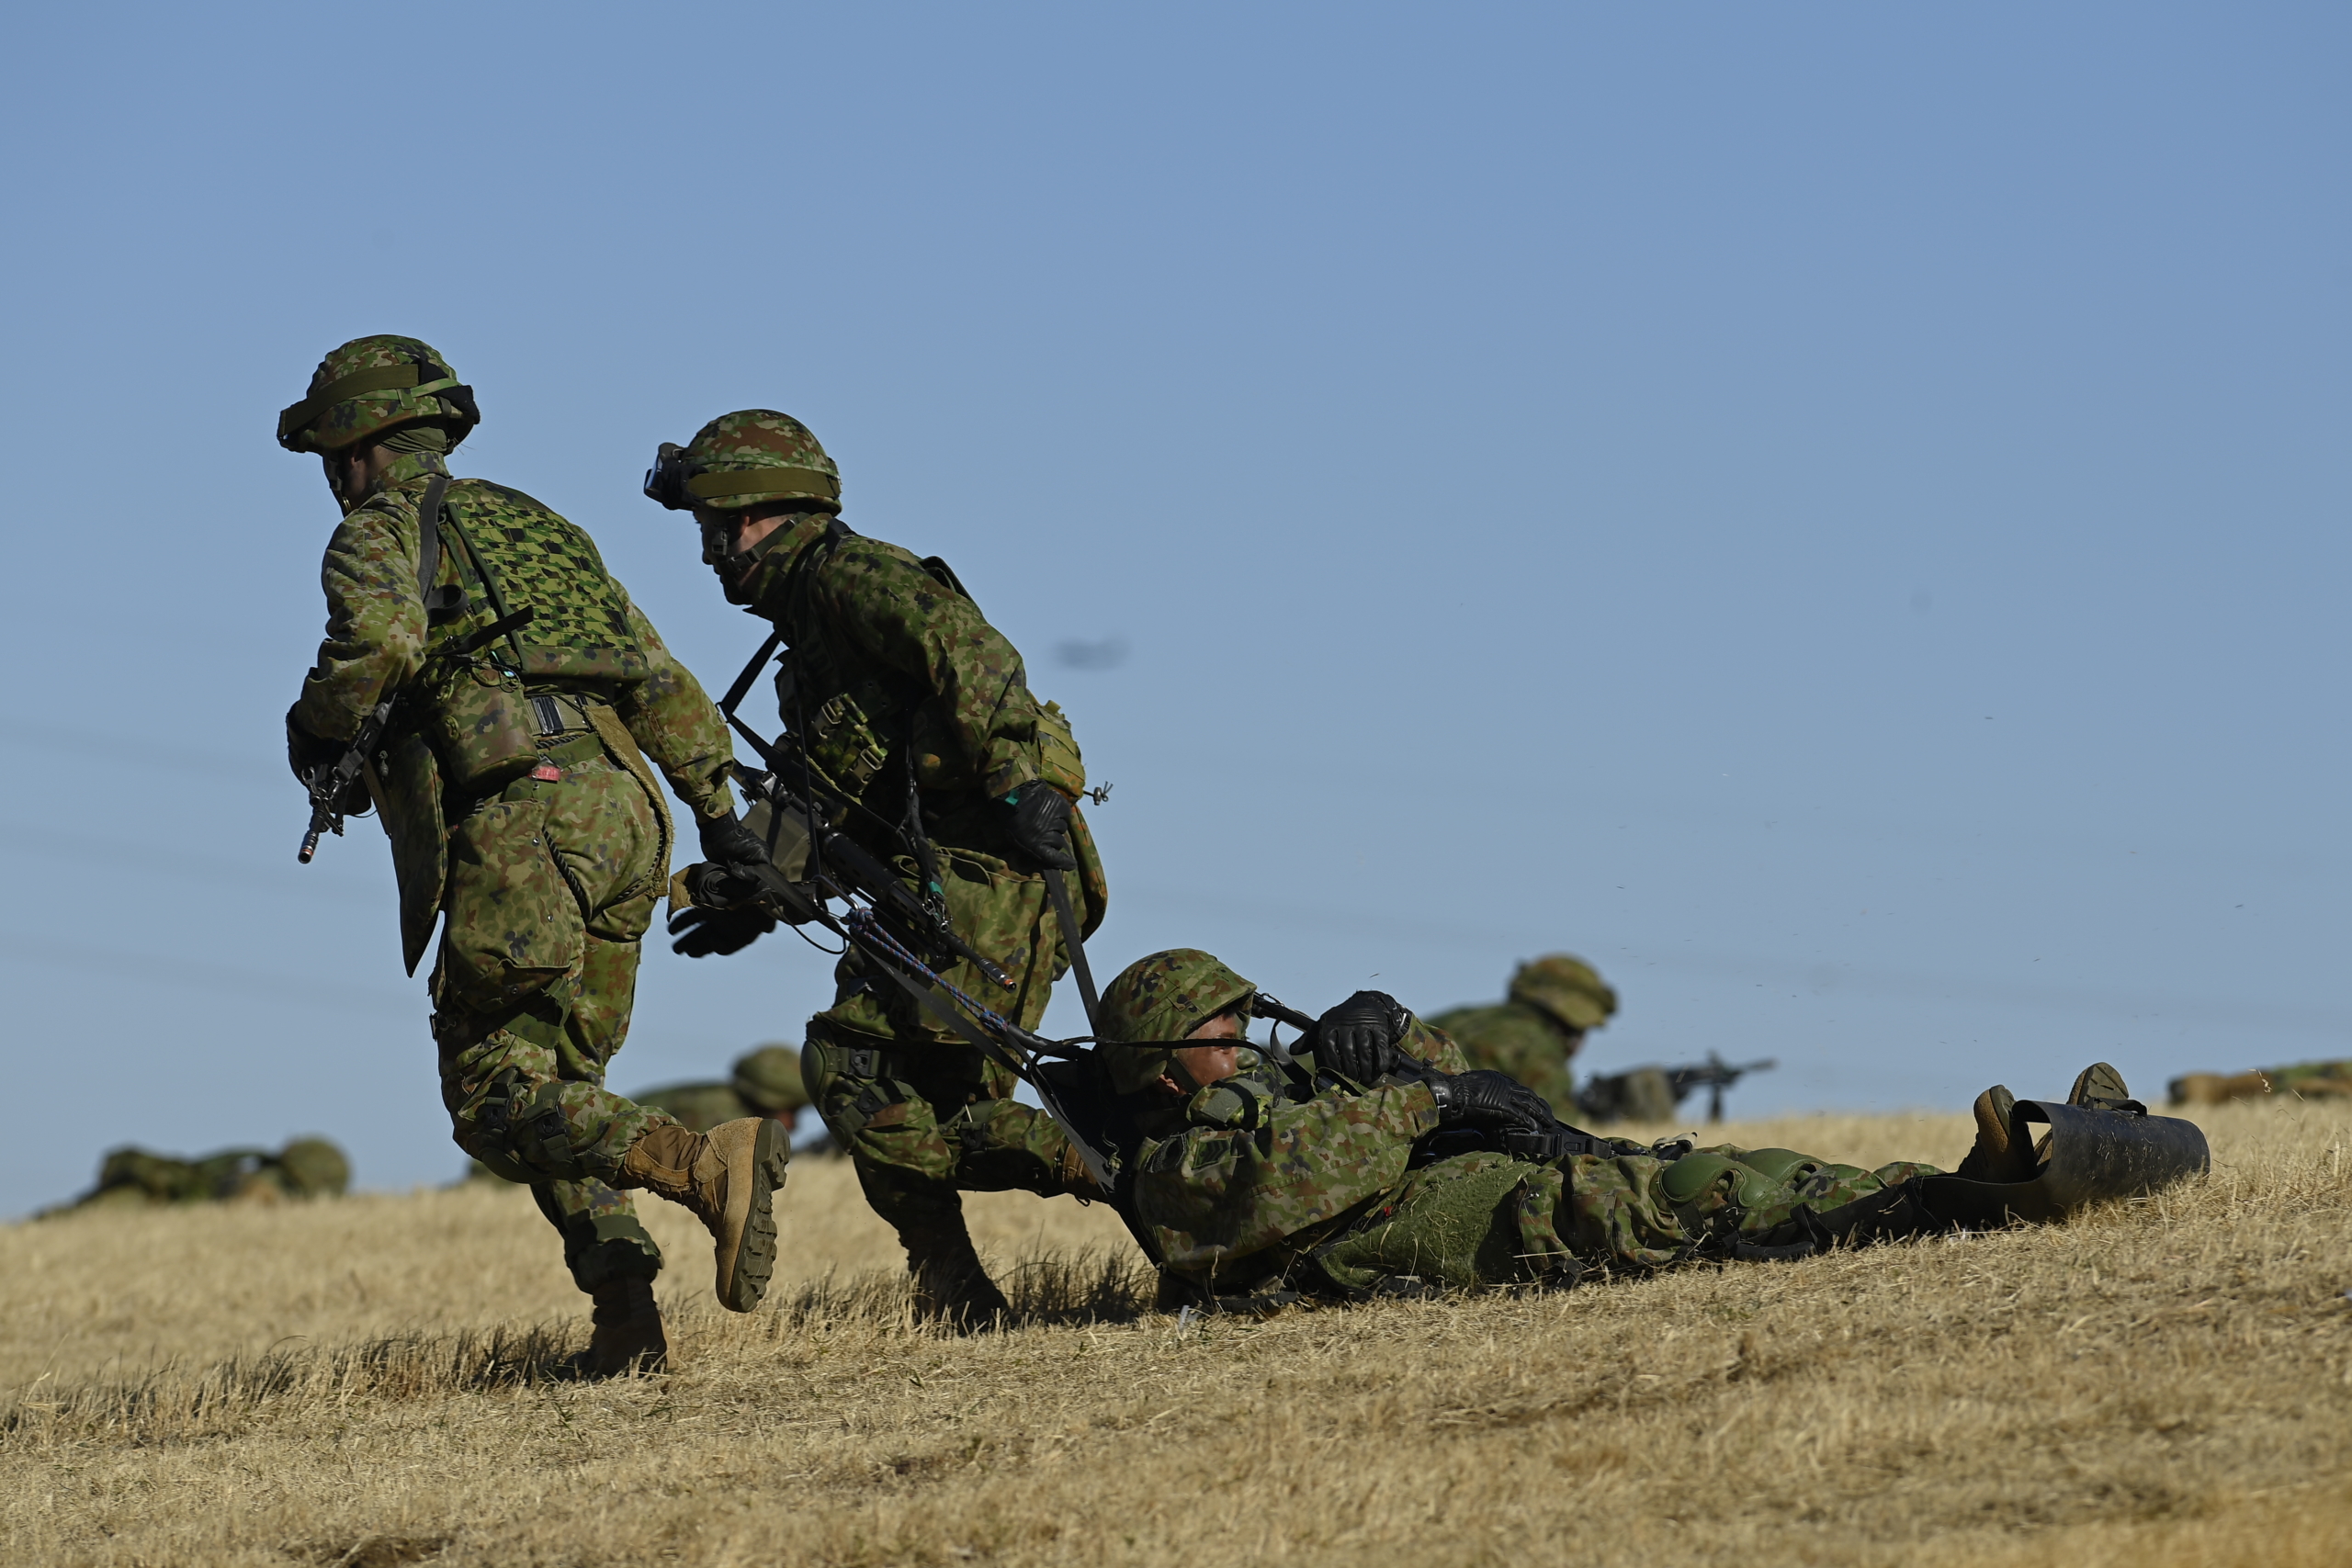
{"points": [[1058, 886]]}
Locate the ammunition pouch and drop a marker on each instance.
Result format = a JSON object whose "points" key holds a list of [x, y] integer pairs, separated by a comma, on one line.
{"points": [[1059, 763], [482, 729], [844, 740], [2093, 1155]]}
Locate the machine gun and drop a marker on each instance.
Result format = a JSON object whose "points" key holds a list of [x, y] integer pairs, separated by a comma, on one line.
{"points": [[1655, 1093]]}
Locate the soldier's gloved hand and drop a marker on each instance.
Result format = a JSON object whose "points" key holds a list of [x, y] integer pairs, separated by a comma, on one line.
{"points": [[1358, 1039], [728, 842], [1041, 825], [305, 754], [701, 931], [1484, 1098]]}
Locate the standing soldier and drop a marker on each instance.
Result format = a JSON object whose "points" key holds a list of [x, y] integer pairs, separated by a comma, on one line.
{"points": [[521, 684], [1534, 1036], [914, 718]]}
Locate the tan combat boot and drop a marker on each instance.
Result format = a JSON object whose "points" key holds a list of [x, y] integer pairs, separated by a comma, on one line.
{"points": [[728, 1177], [627, 1335], [1992, 1158]]}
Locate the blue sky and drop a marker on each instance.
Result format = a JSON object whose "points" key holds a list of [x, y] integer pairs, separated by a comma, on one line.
{"points": [[1835, 514]]}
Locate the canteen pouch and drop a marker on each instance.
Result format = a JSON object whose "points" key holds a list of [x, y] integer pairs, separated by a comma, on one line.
{"points": [[482, 729]]}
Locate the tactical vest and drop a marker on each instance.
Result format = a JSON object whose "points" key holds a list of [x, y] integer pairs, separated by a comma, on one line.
{"points": [[525, 629]]}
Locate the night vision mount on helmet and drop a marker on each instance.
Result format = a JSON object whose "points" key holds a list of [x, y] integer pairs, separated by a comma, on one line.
{"points": [[742, 459]]}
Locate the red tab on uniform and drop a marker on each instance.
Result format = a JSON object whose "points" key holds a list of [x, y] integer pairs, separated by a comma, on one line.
{"points": [[547, 771]]}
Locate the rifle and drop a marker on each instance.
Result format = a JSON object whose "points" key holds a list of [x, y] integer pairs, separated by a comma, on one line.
{"points": [[328, 782], [840, 869]]}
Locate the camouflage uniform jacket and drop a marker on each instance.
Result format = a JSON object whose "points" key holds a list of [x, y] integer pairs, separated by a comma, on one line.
{"points": [[1514, 1038], [892, 669], [1247, 1181]]}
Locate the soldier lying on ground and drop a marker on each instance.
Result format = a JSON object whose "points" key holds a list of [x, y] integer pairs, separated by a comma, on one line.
{"points": [[2304, 1080], [306, 1167], [1250, 1183], [765, 1082], [1535, 1034]]}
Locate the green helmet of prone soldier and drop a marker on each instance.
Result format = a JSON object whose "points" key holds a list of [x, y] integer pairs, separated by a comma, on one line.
{"points": [[768, 1079], [1565, 988], [377, 388], [1158, 1002], [746, 458]]}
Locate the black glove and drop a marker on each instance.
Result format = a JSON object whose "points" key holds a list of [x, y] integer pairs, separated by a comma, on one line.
{"points": [[305, 754], [1041, 826], [728, 842], [1487, 1098], [1358, 1039], [702, 931]]}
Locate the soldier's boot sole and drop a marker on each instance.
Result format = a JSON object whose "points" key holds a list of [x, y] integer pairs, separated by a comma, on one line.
{"points": [[728, 1177], [2101, 1087], [1992, 1158]]}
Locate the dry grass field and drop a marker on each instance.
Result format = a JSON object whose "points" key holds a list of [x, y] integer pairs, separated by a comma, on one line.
{"points": [[2167, 1382]]}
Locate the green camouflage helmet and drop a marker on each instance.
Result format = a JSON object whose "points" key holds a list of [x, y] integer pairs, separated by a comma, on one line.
{"points": [[313, 1168], [1164, 997], [1566, 988], [742, 459], [372, 386], [769, 1078]]}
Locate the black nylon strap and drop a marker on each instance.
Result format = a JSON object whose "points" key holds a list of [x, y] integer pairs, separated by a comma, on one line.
{"points": [[428, 545]]}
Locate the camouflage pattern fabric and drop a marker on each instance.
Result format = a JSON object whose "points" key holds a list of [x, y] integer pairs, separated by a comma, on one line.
{"points": [[1524, 1041], [370, 414], [546, 887], [585, 633], [1318, 1195], [306, 1167], [765, 443], [891, 672]]}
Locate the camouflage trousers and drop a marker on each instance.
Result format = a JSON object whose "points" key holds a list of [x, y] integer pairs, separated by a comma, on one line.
{"points": [[552, 884], [1488, 1219], [922, 1113]]}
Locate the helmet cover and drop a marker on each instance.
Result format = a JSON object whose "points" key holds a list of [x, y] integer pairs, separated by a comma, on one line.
{"points": [[372, 386], [1161, 999], [743, 459]]}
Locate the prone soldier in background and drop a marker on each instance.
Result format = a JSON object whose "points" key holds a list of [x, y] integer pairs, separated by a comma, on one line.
{"points": [[489, 686], [911, 725], [2304, 1080], [306, 1167], [763, 1082], [1534, 1034]]}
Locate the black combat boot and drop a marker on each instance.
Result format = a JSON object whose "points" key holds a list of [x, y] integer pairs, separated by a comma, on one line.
{"points": [[951, 1287], [628, 1336]]}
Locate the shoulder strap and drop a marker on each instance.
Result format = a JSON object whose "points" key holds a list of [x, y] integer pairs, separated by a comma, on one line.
{"points": [[438, 601], [727, 703]]}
